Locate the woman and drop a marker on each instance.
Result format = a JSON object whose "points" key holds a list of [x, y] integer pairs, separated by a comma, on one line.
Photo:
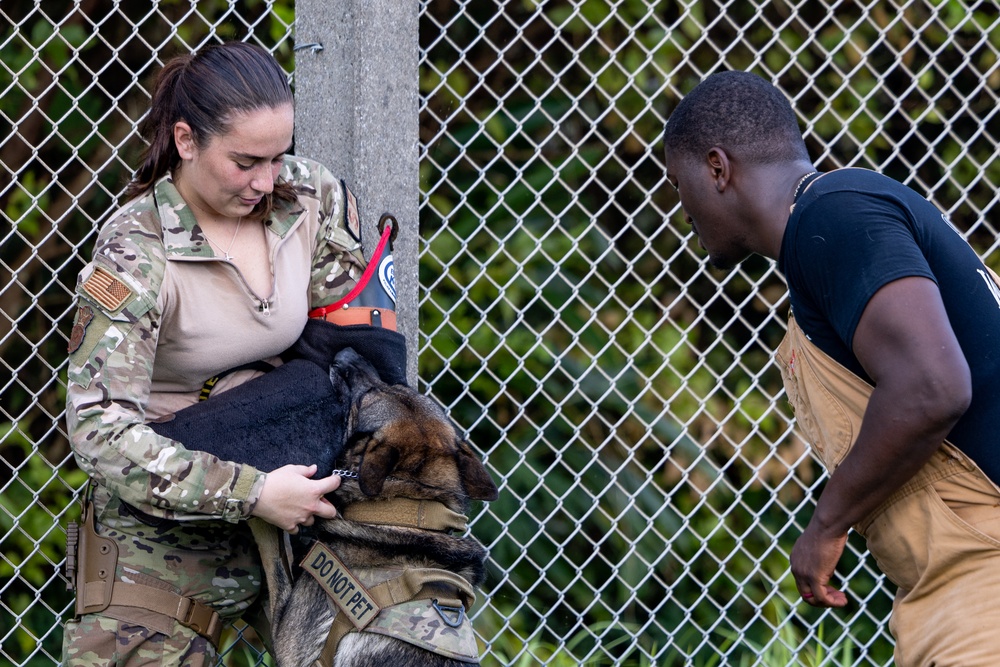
{"points": [[224, 245]]}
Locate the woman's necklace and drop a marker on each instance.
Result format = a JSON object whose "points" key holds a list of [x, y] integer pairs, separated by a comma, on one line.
{"points": [[229, 257], [795, 195]]}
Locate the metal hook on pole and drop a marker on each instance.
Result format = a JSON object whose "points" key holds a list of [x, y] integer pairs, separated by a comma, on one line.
{"points": [[315, 47]]}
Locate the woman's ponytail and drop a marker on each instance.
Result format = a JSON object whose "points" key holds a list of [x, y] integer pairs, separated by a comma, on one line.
{"points": [[157, 128]]}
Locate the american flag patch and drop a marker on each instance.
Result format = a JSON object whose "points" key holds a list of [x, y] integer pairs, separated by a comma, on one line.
{"points": [[104, 288]]}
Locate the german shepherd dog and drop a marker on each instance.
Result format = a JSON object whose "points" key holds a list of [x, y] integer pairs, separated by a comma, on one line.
{"points": [[408, 479]]}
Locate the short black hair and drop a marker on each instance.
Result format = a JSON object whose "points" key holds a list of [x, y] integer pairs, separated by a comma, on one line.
{"points": [[740, 112]]}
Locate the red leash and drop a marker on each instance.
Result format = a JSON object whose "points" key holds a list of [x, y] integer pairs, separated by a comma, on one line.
{"points": [[365, 277]]}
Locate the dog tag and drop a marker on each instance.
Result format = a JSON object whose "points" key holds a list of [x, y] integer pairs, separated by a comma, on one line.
{"points": [[346, 591]]}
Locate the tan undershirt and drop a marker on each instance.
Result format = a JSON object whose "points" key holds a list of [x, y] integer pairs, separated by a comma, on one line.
{"points": [[244, 242], [254, 316]]}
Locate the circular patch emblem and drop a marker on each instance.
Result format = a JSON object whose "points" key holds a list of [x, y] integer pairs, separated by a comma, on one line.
{"points": [[387, 276]]}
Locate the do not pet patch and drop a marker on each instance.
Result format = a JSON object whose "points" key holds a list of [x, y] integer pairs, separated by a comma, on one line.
{"points": [[346, 591]]}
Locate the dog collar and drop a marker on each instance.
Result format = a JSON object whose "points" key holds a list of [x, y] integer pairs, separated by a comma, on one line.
{"points": [[407, 513]]}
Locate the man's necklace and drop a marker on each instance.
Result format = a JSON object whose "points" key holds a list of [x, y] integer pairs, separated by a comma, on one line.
{"points": [[229, 257], [795, 195]]}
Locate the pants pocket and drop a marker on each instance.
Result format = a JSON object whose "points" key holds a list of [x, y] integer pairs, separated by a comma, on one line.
{"points": [[96, 640], [922, 535], [974, 502]]}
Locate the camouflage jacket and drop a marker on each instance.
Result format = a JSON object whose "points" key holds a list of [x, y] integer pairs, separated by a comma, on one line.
{"points": [[159, 313]]}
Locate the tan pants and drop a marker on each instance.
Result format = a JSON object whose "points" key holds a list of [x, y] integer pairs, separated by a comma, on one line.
{"points": [[937, 538]]}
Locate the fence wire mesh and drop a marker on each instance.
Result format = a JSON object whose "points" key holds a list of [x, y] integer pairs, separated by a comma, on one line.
{"points": [[652, 482]]}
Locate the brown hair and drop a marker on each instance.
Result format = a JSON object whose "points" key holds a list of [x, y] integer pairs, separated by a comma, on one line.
{"points": [[205, 90]]}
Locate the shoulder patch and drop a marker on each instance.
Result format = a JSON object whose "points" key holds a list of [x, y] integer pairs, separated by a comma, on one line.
{"points": [[352, 218], [104, 288], [90, 328], [84, 316]]}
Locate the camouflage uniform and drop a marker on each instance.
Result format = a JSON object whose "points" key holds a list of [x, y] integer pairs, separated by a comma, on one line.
{"points": [[158, 314]]}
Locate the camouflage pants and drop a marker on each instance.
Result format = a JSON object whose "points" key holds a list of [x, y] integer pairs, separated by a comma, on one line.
{"points": [[214, 562], [97, 641]]}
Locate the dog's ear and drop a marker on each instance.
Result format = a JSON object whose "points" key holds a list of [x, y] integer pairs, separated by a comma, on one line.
{"points": [[478, 483], [378, 461], [356, 371]]}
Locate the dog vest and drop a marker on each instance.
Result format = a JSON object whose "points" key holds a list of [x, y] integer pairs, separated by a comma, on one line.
{"points": [[426, 607]]}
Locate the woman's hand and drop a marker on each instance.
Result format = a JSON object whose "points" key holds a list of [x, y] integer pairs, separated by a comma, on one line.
{"points": [[291, 498]]}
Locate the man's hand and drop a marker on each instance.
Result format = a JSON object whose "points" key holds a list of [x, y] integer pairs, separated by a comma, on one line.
{"points": [[813, 560], [291, 498]]}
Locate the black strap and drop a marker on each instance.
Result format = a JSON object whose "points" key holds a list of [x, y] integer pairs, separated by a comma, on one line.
{"points": [[206, 389]]}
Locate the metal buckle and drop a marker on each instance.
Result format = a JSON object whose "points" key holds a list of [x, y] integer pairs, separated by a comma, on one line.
{"points": [[459, 613]]}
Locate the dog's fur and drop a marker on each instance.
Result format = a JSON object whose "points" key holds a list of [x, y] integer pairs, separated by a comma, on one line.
{"points": [[403, 446]]}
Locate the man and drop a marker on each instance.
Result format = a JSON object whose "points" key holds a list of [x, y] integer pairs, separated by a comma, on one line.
{"points": [[893, 348]]}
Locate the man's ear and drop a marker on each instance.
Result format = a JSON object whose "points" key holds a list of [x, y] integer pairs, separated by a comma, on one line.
{"points": [[720, 167], [184, 140]]}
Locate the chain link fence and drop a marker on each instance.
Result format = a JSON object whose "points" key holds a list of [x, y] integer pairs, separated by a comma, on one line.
{"points": [[652, 482]]}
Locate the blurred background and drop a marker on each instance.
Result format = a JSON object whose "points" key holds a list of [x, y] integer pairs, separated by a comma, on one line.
{"points": [[622, 393]]}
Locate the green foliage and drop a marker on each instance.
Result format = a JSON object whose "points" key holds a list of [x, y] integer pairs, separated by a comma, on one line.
{"points": [[650, 492], [33, 514], [73, 91], [787, 646]]}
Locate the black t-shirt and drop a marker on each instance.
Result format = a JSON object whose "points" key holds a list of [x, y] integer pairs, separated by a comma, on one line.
{"points": [[853, 231]]}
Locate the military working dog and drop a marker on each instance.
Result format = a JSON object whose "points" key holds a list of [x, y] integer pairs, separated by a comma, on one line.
{"points": [[390, 580]]}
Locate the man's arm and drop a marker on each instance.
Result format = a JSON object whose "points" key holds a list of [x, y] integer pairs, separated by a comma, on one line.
{"points": [[905, 343]]}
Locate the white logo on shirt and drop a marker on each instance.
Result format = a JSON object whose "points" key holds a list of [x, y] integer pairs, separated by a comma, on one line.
{"points": [[994, 289], [951, 224]]}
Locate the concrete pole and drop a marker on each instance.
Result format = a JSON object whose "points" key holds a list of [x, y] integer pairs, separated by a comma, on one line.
{"points": [[356, 111]]}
